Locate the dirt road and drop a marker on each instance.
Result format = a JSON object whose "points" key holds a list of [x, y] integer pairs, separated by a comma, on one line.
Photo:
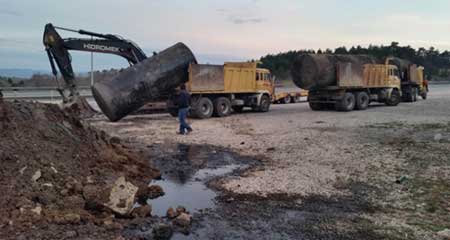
{"points": [[380, 173]]}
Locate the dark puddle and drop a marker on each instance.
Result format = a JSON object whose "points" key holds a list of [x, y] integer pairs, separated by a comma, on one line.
{"points": [[186, 172]]}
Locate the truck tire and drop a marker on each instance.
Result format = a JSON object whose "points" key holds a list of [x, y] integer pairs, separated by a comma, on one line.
{"points": [[286, 99], [408, 94], [316, 106], [424, 95], [238, 109], [362, 100], [395, 98], [203, 108], [222, 107], [264, 104], [347, 103]]}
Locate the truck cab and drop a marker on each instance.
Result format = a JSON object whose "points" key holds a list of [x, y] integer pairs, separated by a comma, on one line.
{"points": [[265, 82]]}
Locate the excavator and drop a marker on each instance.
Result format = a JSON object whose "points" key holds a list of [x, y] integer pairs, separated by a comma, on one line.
{"points": [[57, 49]]}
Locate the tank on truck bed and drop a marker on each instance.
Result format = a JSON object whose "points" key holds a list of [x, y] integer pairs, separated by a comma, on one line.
{"points": [[219, 89], [356, 86]]}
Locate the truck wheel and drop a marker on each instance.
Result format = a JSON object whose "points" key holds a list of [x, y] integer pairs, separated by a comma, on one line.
{"points": [[316, 106], [395, 98], [222, 107], [347, 103], [203, 108], [238, 109], [286, 99], [409, 97], [362, 100], [424, 95], [264, 105]]}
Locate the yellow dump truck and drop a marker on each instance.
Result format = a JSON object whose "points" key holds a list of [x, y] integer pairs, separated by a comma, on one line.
{"points": [[217, 90], [357, 86]]}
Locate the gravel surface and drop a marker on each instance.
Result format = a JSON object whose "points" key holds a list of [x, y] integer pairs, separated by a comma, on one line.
{"points": [[306, 150], [306, 153]]}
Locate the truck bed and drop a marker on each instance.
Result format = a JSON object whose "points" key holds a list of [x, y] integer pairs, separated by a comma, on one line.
{"points": [[227, 78]]}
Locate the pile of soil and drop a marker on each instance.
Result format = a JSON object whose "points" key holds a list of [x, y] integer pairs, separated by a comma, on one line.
{"points": [[51, 167]]}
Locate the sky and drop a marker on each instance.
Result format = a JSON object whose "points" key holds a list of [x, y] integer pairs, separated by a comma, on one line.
{"points": [[218, 31]]}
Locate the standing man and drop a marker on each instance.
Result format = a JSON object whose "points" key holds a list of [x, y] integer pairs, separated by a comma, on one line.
{"points": [[183, 108]]}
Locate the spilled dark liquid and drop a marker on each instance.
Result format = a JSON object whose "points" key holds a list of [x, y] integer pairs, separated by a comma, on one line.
{"points": [[186, 173]]}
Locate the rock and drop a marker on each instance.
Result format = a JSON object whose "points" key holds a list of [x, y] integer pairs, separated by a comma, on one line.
{"points": [[155, 191], [89, 180], [70, 218], [64, 192], [171, 213], [438, 137], [149, 192], [180, 210], [444, 234], [183, 220], [121, 198], [47, 185], [36, 176], [162, 231], [37, 210], [94, 197], [229, 200], [77, 187], [74, 202], [54, 169], [22, 170], [142, 211], [271, 149], [70, 234], [114, 140], [401, 179]]}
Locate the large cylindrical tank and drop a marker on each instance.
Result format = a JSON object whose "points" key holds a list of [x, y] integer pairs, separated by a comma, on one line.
{"points": [[311, 71], [146, 81], [402, 65]]}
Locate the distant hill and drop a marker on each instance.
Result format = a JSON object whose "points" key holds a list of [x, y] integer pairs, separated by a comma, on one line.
{"points": [[21, 72]]}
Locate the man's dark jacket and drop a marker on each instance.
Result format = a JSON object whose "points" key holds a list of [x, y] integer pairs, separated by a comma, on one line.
{"points": [[184, 99]]}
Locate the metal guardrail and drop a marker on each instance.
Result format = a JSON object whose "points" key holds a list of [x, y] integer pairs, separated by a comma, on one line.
{"points": [[38, 93]]}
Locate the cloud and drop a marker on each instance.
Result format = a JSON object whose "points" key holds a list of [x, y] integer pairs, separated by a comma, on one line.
{"points": [[236, 17], [8, 12], [241, 20]]}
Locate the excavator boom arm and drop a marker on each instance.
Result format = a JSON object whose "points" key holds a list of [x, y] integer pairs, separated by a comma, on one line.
{"points": [[58, 52]]}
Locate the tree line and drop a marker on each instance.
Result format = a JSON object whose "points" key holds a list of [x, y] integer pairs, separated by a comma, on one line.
{"points": [[45, 80], [435, 62]]}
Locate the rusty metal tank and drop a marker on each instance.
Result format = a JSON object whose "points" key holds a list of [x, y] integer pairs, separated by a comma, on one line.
{"points": [[313, 71], [146, 81]]}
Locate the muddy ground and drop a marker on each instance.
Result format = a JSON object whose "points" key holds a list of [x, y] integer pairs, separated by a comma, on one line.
{"points": [[376, 174], [57, 173]]}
